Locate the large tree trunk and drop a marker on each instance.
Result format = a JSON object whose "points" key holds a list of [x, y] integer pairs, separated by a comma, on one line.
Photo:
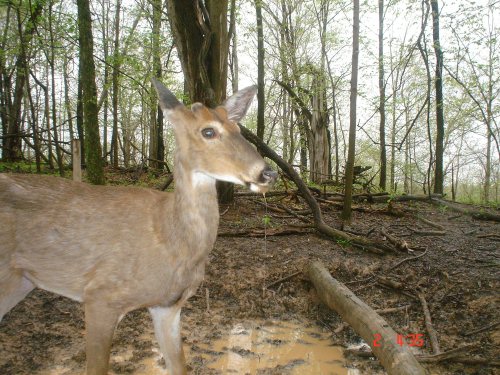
{"points": [[319, 147], [438, 172], [95, 172], [202, 41], [349, 168], [201, 37]]}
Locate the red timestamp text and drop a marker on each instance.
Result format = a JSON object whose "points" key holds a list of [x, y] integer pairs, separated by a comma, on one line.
{"points": [[411, 339]]}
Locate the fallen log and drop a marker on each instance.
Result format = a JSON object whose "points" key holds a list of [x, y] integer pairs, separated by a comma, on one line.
{"points": [[285, 231], [480, 215], [396, 359]]}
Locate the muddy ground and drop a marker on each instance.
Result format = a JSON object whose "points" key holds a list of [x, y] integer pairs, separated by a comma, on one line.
{"points": [[458, 275]]}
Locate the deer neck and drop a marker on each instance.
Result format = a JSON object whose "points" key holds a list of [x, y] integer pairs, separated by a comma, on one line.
{"points": [[196, 211]]}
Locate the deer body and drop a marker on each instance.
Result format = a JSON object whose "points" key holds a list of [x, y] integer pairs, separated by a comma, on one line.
{"points": [[117, 249]]}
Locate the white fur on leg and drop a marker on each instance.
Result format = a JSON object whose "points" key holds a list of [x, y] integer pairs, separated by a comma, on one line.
{"points": [[167, 325]]}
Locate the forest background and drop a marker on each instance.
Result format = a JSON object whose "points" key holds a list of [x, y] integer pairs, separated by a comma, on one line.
{"points": [[305, 63]]}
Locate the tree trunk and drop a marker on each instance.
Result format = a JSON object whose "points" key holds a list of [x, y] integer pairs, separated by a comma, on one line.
{"points": [[95, 171], [12, 145], [34, 127], [105, 43], [5, 86], [115, 78], [260, 71], [233, 64], [203, 50], [438, 172], [319, 147], [487, 168], [79, 119], [59, 156], [422, 47], [157, 148], [349, 169], [381, 86]]}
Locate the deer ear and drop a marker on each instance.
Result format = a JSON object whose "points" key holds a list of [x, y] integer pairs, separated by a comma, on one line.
{"points": [[168, 101], [237, 105]]}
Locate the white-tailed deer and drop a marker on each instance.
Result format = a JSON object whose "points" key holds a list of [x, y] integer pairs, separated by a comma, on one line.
{"points": [[117, 249]]}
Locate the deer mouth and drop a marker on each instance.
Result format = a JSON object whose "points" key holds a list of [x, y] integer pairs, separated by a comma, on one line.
{"points": [[266, 179], [257, 187]]}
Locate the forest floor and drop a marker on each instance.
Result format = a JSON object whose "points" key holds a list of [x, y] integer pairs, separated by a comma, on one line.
{"points": [[458, 275]]}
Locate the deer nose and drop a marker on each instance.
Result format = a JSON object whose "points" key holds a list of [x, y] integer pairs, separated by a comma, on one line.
{"points": [[269, 175]]}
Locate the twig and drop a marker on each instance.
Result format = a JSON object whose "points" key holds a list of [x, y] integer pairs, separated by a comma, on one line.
{"points": [[298, 216], [428, 324], [429, 232], [434, 358], [410, 258], [392, 309], [282, 279], [482, 329], [431, 223], [490, 236]]}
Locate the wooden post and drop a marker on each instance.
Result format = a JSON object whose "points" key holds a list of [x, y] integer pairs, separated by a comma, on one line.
{"points": [[396, 359], [77, 160]]}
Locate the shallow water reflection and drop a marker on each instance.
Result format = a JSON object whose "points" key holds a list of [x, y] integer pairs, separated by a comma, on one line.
{"points": [[287, 347]]}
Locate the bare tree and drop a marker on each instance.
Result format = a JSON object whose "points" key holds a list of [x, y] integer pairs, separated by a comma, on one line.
{"points": [[93, 157], [381, 86], [438, 82], [349, 168]]}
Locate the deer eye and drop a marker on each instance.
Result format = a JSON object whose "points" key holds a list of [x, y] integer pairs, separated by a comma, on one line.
{"points": [[208, 133]]}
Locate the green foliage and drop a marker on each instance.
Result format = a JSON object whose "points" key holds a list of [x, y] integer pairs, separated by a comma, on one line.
{"points": [[23, 167], [266, 220], [443, 209], [343, 242]]}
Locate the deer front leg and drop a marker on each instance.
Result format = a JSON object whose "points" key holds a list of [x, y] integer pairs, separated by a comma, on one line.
{"points": [[100, 324], [167, 325]]}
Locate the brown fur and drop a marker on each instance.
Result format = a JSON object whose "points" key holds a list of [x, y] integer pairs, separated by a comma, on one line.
{"points": [[117, 249]]}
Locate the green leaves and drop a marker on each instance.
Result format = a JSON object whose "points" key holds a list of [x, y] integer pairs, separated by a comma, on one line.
{"points": [[266, 220]]}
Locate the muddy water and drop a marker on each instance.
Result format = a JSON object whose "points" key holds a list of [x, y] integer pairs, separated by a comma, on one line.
{"points": [[285, 347], [289, 348]]}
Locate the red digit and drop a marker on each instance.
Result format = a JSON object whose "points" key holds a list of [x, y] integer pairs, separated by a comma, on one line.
{"points": [[378, 337], [400, 340], [419, 339]]}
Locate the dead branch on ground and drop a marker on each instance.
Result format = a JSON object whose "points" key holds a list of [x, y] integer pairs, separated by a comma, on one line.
{"points": [[431, 223], [428, 325], [319, 223], [285, 231], [368, 324], [480, 215], [400, 244]]}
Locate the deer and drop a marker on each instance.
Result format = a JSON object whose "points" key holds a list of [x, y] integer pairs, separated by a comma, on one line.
{"points": [[117, 249]]}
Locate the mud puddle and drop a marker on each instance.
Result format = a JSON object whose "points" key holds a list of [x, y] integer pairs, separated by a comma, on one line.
{"points": [[248, 348]]}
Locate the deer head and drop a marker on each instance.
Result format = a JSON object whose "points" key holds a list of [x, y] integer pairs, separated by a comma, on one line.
{"points": [[209, 142]]}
